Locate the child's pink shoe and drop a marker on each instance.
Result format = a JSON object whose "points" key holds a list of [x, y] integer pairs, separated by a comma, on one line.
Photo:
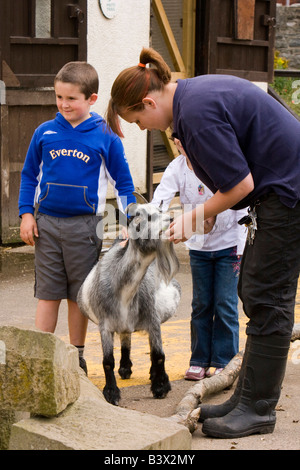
{"points": [[195, 373]]}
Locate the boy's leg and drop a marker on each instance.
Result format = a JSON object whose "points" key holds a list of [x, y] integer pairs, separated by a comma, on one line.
{"points": [[81, 249], [77, 330], [77, 324], [46, 315]]}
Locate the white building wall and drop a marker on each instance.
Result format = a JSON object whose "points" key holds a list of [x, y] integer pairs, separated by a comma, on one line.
{"points": [[114, 44]]}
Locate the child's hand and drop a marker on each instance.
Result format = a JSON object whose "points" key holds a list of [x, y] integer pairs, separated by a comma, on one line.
{"points": [[28, 229], [209, 224], [183, 227], [124, 234]]}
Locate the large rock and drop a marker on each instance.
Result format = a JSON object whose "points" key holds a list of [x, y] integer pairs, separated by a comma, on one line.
{"points": [[39, 373], [7, 419], [93, 424]]}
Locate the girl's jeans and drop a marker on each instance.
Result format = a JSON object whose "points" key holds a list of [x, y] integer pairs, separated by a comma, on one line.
{"points": [[214, 322]]}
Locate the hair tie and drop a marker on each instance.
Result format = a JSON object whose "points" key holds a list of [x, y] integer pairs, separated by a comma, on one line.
{"points": [[141, 65]]}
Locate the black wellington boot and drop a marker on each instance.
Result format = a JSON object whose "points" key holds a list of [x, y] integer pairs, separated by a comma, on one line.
{"points": [[260, 392], [217, 411]]}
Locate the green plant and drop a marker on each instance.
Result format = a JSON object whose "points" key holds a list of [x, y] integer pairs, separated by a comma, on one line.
{"points": [[286, 87], [280, 62]]}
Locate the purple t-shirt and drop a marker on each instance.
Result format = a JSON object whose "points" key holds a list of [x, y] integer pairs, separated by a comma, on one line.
{"points": [[230, 127]]}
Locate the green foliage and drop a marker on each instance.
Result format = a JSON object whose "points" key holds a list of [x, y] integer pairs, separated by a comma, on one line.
{"points": [[280, 63], [288, 88]]}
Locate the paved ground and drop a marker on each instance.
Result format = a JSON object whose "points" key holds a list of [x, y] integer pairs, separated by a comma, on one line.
{"points": [[18, 308]]}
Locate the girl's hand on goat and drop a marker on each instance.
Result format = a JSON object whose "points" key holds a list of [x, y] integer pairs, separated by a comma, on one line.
{"points": [[209, 224], [28, 229], [124, 234], [124, 243], [187, 224]]}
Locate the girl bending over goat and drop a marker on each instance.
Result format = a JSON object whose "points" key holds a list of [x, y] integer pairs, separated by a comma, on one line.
{"points": [[130, 289]]}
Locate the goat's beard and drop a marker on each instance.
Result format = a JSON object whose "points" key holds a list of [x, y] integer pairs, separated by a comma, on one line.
{"points": [[166, 261]]}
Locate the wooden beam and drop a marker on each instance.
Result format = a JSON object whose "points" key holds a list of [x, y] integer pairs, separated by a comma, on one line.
{"points": [[168, 35], [157, 177], [177, 75], [4, 165], [180, 69], [244, 19], [188, 36], [23, 97], [169, 143], [8, 76]]}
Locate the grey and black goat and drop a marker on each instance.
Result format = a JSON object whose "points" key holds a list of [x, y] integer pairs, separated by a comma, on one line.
{"points": [[132, 288]]}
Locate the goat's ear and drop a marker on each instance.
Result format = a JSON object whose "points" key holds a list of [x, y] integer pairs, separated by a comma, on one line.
{"points": [[140, 198], [131, 209]]}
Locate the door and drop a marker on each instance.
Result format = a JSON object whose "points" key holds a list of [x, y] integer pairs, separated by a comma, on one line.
{"points": [[236, 37], [37, 37]]}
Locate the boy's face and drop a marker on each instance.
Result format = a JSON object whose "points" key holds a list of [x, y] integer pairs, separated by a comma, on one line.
{"points": [[72, 103]]}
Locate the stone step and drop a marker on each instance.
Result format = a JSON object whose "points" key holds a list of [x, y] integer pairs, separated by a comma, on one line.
{"points": [[93, 424], [40, 374]]}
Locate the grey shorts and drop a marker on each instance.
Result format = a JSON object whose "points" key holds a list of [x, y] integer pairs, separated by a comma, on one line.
{"points": [[65, 252]]}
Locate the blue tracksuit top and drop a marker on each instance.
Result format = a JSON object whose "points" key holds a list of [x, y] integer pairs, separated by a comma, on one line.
{"points": [[66, 170]]}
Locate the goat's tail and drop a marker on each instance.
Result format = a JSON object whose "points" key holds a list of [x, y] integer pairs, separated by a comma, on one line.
{"points": [[166, 261]]}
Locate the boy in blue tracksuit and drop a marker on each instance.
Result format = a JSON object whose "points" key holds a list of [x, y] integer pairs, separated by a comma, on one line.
{"points": [[67, 168]]}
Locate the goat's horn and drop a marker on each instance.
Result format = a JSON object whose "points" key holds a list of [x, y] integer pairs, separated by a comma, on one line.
{"points": [[139, 197]]}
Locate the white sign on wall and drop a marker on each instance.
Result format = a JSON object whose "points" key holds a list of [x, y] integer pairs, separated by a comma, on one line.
{"points": [[109, 8]]}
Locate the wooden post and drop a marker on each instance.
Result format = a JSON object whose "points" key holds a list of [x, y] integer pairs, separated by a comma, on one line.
{"points": [[244, 19], [168, 35], [180, 71]]}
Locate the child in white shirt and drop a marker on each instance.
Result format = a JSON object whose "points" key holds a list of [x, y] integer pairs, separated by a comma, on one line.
{"points": [[215, 262]]}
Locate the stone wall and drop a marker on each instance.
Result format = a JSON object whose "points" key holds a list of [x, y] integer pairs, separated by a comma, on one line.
{"points": [[287, 39], [287, 2]]}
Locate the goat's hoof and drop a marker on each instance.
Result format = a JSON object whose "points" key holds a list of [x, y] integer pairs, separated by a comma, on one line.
{"points": [[125, 373], [161, 389], [112, 395]]}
